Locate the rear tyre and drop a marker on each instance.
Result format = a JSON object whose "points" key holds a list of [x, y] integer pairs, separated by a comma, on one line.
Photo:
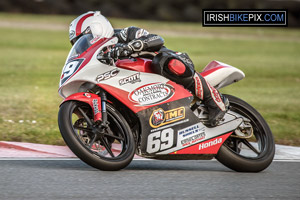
{"points": [[112, 149], [252, 154]]}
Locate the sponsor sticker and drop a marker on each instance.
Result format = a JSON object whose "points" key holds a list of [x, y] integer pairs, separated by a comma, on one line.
{"points": [[95, 106], [157, 117], [151, 94], [131, 79], [205, 145], [191, 135], [210, 146], [160, 117], [94, 40], [107, 75], [88, 95]]}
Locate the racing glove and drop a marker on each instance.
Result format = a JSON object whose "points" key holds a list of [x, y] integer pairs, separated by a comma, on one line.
{"points": [[118, 51]]}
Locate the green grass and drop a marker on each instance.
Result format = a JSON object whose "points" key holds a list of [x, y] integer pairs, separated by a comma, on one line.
{"points": [[32, 59]]}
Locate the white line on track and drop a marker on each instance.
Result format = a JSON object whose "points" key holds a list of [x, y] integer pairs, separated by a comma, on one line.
{"points": [[135, 159], [282, 160], [39, 159], [142, 159]]}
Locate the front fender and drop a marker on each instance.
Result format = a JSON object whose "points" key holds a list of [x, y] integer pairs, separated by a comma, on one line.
{"points": [[91, 99]]}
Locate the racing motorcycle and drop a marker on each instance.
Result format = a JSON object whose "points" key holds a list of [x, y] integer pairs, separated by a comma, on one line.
{"points": [[111, 112]]}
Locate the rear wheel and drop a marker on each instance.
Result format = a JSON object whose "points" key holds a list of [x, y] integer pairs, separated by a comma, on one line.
{"points": [[105, 148], [251, 147]]}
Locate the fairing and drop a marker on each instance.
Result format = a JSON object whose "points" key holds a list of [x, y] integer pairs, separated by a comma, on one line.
{"points": [[219, 74], [168, 125], [137, 90], [136, 64], [173, 128]]}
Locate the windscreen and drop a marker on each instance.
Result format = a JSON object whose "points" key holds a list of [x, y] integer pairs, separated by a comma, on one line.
{"points": [[81, 45]]}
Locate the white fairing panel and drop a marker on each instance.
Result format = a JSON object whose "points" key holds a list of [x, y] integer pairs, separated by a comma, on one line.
{"points": [[223, 76], [99, 73]]}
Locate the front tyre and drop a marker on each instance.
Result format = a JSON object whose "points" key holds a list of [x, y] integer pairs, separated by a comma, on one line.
{"points": [[110, 148], [251, 152]]}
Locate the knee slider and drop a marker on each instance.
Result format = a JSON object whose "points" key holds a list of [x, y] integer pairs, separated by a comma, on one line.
{"points": [[176, 67]]}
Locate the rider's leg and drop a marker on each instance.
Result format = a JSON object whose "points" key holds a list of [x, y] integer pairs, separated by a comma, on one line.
{"points": [[211, 98], [180, 69]]}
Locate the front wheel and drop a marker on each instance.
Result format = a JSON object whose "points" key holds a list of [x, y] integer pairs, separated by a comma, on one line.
{"points": [[109, 148], [251, 147]]}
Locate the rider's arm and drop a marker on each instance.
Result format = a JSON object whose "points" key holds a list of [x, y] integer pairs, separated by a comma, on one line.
{"points": [[139, 39]]}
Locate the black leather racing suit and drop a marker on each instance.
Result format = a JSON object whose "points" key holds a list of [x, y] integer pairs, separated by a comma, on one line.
{"points": [[175, 66]]}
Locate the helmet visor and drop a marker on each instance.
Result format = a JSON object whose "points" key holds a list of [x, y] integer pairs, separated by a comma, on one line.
{"points": [[86, 31]]}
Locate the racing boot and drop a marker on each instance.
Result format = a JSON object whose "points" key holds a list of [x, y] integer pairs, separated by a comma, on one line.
{"points": [[215, 112], [212, 99]]}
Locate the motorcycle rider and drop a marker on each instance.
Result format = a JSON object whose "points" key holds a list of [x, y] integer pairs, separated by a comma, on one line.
{"points": [[137, 42]]}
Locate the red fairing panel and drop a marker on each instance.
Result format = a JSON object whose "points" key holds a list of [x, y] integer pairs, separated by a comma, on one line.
{"points": [[92, 99], [211, 146], [138, 64], [177, 92]]}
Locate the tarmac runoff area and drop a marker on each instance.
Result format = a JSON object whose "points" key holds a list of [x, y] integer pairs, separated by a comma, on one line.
{"points": [[30, 150]]}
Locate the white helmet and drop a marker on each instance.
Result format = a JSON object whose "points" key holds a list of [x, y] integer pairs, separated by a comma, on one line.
{"points": [[90, 21]]}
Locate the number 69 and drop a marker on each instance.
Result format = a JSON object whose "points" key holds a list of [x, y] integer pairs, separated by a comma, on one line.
{"points": [[160, 140]]}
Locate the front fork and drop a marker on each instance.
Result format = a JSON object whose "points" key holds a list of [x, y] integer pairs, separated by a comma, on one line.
{"points": [[103, 107]]}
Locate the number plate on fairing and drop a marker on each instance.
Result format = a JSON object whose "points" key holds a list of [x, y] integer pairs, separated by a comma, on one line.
{"points": [[161, 125], [69, 69]]}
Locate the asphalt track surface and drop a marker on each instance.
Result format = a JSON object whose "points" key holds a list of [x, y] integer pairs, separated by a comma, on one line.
{"points": [[63, 178]]}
